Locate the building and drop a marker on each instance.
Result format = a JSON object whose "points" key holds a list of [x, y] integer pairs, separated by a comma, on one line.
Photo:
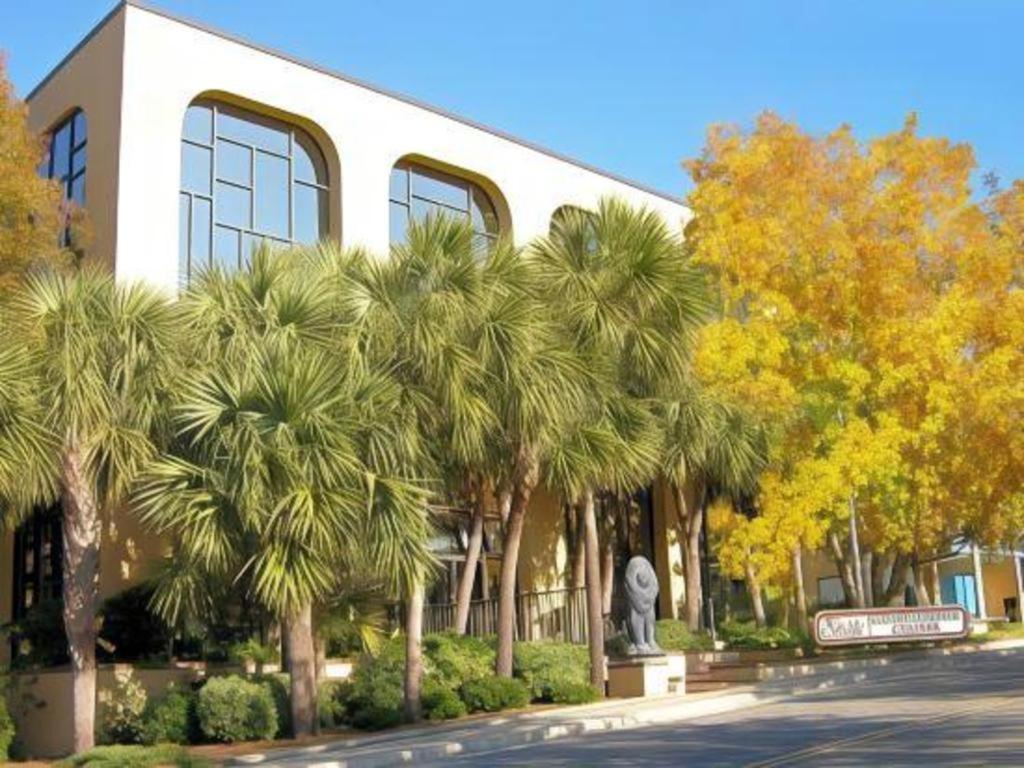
{"points": [[186, 146]]}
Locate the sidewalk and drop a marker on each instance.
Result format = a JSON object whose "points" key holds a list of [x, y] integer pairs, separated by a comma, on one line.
{"points": [[415, 746]]}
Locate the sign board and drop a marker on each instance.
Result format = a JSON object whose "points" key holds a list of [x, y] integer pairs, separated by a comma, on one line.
{"points": [[891, 625]]}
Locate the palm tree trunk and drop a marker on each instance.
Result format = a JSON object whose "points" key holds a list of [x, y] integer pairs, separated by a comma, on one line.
{"points": [[298, 629], [80, 530], [594, 613], [694, 585], [579, 554], [469, 567], [414, 653], [519, 500], [607, 549], [799, 593]]}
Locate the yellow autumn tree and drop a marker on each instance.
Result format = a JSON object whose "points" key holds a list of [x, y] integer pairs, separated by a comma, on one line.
{"points": [[858, 283]]}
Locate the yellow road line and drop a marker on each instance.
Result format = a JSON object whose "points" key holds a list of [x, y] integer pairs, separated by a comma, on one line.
{"points": [[868, 737]]}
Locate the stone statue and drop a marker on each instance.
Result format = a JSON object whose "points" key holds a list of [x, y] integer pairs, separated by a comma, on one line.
{"points": [[641, 592]]}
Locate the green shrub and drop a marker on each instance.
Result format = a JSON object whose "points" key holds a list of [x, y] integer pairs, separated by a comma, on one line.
{"points": [[134, 757], [455, 659], [441, 702], [674, 635], [332, 698], [748, 636], [547, 666], [233, 709], [493, 694], [6, 726], [279, 687], [122, 709], [572, 692], [377, 681], [171, 718], [252, 651]]}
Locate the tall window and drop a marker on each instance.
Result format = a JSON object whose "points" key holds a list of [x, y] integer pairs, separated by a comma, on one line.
{"points": [[416, 192], [65, 161], [245, 179], [37, 561]]}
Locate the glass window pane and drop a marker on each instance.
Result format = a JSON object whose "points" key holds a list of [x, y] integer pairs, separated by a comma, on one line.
{"points": [[77, 191], [400, 184], [310, 214], [399, 223], [234, 205], [225, 248], [271, 194], [79, 128], [196, 164], [421, 209], [61, 150], [234, 163], [183, 208], [198, 124], [201, 224], [482, 212], [78, 160], [251, 130], [440, 188], [307, 161]]}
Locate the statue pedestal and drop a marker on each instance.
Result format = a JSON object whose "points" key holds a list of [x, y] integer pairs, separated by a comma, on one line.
{"points": [[638, 676]]}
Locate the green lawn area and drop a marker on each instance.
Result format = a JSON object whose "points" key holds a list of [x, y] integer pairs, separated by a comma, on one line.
{"points": [[1000, 631], [135, 757]]}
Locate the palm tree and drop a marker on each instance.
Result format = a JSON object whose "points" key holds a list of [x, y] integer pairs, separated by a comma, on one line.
{"points": [[95, 362], [631, 301], [281, 468], [708, 447]]}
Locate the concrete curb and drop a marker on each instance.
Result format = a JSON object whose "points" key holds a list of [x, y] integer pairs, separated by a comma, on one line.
{"points": [[424, 746]]}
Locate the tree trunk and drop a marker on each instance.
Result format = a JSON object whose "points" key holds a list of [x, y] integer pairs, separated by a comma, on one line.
{"points": [[756, 599], [694, 585], [935, 584], [595, 617], [320, 651], [867, 567], [920, 588], [578, 573], [855, 564], [880, 563], [897, 581], [469, 566], [414, 653], [843, 566], [302, 670], [799, 593], [979, 581], [80, 530], [607, 560], [526, 480]]}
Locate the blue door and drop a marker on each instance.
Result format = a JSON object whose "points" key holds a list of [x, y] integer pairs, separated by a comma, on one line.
{"points": [[959, 588]]}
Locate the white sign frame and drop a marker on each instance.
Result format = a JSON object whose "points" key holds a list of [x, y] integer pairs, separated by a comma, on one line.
{"points": [[872, 626]]}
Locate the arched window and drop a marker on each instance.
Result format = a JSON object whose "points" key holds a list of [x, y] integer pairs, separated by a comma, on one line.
{"points": [[417, 191], [64, 161], [245, 178]]}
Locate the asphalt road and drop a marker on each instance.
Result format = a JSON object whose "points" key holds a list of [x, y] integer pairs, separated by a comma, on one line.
{"points": [[973, 715]]}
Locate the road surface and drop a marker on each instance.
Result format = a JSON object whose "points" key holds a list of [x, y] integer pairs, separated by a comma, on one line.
{"points": [[971, 715]]}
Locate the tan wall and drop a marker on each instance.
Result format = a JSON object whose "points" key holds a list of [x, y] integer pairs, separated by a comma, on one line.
{"points": [[668, 558], [543, 555], [40, 703], [93, 84]]}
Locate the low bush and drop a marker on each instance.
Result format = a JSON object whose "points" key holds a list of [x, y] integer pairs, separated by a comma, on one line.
{"points": [[548, 666], [455, 659], [121, 710], [171, 718], [572, 692], [376, 696], [743, 635], [493, 694], [6, 726], [233, 709], [251, 651], [440, 702], [279, 687], [134, 757], [332, 698], [674, 635]]}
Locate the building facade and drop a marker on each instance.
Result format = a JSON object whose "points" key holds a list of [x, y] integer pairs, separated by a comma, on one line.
{"points": [[186, 146]]}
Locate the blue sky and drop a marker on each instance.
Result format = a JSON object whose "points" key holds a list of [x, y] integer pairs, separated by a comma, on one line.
{"points": [[632, 87]]}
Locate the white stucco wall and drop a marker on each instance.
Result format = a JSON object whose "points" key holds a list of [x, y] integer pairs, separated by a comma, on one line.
{"points": [[168, 63]]}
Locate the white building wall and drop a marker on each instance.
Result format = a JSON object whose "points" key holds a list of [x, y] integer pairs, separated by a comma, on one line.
{"points": [[167, 64]]}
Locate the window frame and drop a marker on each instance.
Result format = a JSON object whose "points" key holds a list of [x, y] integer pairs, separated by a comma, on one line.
{"points": [[251, 233], [68, 176], [42, 526], [410, 168]]}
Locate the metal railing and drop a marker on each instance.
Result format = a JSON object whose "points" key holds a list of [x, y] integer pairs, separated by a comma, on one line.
{"points": [[557, 614]]}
